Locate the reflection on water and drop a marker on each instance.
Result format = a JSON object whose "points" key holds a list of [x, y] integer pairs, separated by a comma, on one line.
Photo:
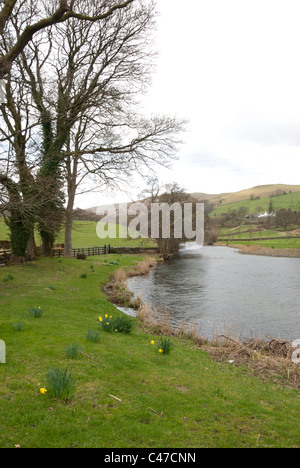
{"points": [[216, 287]]}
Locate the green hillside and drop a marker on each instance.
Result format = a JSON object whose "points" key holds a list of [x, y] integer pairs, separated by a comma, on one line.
{"points": [[261, 191], [288, 201]]}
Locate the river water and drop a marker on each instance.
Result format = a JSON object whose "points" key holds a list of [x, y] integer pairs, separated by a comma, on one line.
{"points": [[222, 291]]}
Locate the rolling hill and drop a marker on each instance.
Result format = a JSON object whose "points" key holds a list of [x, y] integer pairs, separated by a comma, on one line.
{"points": [[261, 191], [255, 199]]}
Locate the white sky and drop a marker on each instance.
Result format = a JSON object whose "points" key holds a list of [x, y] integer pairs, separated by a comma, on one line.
{"points": [[232, 68]]}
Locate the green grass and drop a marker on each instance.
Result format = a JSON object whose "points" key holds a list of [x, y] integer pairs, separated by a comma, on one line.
{"points": [[289, 201], [184, 399], [85, 235], [273, 243]]}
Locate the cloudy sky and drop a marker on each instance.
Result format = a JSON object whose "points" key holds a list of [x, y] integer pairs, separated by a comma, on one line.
{"points": [[232, 68]]}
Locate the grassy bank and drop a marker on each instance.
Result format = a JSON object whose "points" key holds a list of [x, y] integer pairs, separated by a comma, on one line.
{"points": [[127, 394]]}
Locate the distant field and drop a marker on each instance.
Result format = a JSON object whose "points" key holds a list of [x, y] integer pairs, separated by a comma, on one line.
{"points": [[275, 243], [85, 235], [289, 201], [262, 191]]}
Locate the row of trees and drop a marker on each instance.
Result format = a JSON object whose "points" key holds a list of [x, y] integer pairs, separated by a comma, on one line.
{"points": [[71, 119]]}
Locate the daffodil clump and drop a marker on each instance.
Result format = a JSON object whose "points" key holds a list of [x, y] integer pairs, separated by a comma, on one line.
{"points": [[164, 345], [36, 312], [121, 324]]}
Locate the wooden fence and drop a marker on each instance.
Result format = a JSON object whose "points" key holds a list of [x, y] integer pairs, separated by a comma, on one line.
{"points": [[58, 253], [4, 256], [88, 251]]}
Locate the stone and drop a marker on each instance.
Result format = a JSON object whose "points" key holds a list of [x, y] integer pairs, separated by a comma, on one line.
{"points": [[2, 352]]}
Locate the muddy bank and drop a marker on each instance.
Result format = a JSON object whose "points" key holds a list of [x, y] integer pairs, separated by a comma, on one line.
{"points": [[117, 291]]}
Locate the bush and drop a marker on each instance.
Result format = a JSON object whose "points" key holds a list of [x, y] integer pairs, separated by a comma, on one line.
{"points": [[81, 256], [61, 384]]}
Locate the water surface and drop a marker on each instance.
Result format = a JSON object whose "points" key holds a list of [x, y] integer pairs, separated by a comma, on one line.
{"points": [[218, 288]]}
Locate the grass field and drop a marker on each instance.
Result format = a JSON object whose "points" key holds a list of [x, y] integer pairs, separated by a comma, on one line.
{"points": [[274, 243], [85, 235], [289, 201], [239, 234], [184, 399]]}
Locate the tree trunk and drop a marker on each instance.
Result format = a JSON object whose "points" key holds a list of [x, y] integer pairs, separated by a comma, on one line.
{"points": [[69, 220], [47, 245], [32, 252]]}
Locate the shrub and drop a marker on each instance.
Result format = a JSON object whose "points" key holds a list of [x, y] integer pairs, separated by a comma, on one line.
{"points": [[73, 351], [93, 336], [36, 312], [165, 345], [61, 384], [81, 256]]}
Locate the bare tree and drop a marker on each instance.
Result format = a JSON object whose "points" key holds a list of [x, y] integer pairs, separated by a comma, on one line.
{"points": [[42, 18], [83, 80], [99, 137]]}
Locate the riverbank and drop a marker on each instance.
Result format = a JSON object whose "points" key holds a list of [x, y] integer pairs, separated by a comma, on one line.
{"points": [[128, 395], [269, 359], [264, 251]]}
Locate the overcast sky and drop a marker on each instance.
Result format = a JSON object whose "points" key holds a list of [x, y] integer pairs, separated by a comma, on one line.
{"points": [[232, 68]]}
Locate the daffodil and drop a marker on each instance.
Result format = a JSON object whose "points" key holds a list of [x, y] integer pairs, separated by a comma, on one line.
{"points": [[152, 342], [106, 316], [43, 391], [160, 351], [107, 323], [100, 319]]}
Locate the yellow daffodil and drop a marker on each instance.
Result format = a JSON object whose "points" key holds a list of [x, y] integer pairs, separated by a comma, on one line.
{"points": [[152, 342], [106, 316], [160, 351], [43, 391], [100, 319], [107, 323]]}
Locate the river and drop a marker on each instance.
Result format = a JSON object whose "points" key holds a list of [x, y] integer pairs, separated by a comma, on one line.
{"points": [[222, 291]]}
